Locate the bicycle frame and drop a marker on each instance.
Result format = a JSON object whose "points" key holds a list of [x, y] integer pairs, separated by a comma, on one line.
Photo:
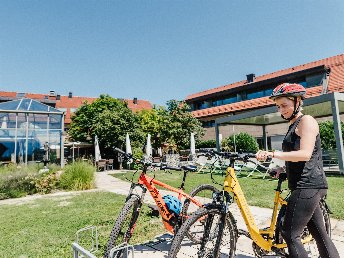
{"points": [[231, 185], [146, 182]]}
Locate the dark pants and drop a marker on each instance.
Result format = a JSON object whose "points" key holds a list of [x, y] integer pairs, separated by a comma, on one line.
{"points": [[303, 210]]}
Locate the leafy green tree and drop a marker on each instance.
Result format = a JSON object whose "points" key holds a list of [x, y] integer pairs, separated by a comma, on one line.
{"points": [[108, 118], [172, 125], [328, 139], [243, 141], [151, 122], [178, 124]]}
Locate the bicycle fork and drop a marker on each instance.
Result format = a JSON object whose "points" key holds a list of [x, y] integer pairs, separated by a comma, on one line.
{"points": [[218, 231], [137, 210]]}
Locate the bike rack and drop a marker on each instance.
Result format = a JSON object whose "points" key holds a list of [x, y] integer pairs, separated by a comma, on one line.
{"points": [[77, 248], [80, 251]]}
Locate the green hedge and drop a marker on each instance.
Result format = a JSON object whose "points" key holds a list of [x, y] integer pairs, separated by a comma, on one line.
{"points": [[328, 139], [243, 141], [18, 181]]}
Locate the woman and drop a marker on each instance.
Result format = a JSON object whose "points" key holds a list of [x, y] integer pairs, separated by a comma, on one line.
{"points": [[306, 178]]}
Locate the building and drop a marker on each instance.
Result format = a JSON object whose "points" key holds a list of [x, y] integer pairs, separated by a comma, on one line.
{"points": [[318, 77], [69, 103]]}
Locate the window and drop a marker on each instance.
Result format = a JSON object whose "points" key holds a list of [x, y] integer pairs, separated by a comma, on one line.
{"points": [[229, 100], [210, 123], [314, 80], [255, 95]]}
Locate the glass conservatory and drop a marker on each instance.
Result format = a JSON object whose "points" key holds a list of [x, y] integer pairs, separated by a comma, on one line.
{"points": [[30, 132]]}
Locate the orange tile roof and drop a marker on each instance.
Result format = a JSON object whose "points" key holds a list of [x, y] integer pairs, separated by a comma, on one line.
{"points": [[75, 102], [335, 63], [335, 84], [246, 105]]}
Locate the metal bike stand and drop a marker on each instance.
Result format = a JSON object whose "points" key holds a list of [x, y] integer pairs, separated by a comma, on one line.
{"points": [[77, 248], [123, 246]]}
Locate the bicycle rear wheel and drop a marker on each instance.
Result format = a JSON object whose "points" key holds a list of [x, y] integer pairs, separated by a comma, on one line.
{"points": [[123, 227], [215, 231], [203, 194]]}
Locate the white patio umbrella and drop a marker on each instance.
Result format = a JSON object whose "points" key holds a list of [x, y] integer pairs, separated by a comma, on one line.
{"points": [[192, 144], [127, 145], [160, 151], [148, 146], [97, 149]]}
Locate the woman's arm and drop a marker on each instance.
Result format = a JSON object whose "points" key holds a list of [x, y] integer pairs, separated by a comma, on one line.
{"points": [[308, 130]]}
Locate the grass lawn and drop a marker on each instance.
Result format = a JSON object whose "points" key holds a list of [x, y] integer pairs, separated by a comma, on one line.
{"points": [[258, 191], [46, 227]]}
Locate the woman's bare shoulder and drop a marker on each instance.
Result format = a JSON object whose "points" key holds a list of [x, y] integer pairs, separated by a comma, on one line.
{"points": [[308, 123]]}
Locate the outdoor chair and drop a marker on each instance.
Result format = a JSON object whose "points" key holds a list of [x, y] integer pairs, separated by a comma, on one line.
{"points": [[259, 167], [109, 164], [101, 165]]}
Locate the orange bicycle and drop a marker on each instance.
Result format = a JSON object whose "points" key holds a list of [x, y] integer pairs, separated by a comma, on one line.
{"points": [[173, 210]]}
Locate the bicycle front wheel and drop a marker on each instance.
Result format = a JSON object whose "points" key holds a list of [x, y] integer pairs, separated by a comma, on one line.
{"points": [[215, 232], [203, 194], [123, 227]]}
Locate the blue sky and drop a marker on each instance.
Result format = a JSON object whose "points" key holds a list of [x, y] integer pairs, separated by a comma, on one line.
{"points": [[157, 49]]}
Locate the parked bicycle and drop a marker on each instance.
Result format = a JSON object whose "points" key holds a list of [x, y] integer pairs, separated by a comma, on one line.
{"points": [[173, 210], [216, 225]]}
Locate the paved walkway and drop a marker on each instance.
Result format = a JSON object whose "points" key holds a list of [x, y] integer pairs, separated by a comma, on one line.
{"points": [[159, 246]]}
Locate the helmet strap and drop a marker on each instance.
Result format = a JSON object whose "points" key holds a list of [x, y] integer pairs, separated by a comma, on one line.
{"points": [[295, 112]]}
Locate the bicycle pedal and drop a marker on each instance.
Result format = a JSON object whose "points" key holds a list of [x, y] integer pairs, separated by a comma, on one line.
{"points": [[154, 210]]}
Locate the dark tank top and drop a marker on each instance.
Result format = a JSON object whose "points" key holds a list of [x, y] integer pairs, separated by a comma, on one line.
{"points": [[304, 174]]}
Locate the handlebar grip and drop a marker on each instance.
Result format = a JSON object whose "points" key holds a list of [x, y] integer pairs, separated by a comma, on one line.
{"points": [[171, 168], [120, 151]]}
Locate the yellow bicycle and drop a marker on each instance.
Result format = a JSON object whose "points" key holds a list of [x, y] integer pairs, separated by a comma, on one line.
{"points": [[216, 225]]}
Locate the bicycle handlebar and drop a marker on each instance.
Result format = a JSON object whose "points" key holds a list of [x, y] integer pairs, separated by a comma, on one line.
{"points": [[230, 155]]}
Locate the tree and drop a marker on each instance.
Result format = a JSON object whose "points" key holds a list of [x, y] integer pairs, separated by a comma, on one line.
{"points": [[243, 141], [151, 122], [328, 139], [178, 124], [108, 118]]}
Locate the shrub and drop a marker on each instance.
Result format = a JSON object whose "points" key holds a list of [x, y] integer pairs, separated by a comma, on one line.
{"points": [[328, 139], [46, 183], [244, 142], [206, 144], [17, 184], [78, 176]]}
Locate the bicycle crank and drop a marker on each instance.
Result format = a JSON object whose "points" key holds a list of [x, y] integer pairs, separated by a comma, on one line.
{"points": [[259, 252]]}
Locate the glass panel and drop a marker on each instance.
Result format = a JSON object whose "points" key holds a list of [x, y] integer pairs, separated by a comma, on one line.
{"points": [[55, 122], [25, 104], [37, 121], [21, 150], [21, 121], [6, 144], [268, 92], [55, 145], [255, 95], [34, 145], [314, 80], [229, 100], [9, 105], [36, 106]]}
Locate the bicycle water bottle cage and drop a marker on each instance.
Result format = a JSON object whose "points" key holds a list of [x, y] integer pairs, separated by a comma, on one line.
{"points": [[173, 204]]}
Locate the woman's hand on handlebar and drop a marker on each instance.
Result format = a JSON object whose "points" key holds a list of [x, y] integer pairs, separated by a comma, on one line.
{"points": [[262, 155]]}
